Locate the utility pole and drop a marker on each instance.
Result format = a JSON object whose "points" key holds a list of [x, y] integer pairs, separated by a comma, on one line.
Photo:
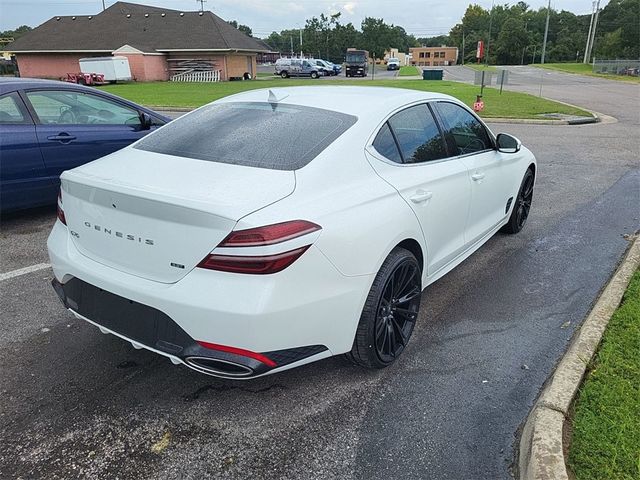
{"points": [[291, 39], [595, 26], [546, 32], [486, 58], [201, 2], [300, 42], [103, 7], [586, 48], [463, 46], [525, 47]]}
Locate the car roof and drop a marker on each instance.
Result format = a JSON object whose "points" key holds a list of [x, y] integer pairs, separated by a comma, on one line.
{"points": [[10, 84], [352, 100]]}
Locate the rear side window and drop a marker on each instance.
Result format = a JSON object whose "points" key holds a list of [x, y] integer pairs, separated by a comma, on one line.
{"points": [[12, 110], [463, 132], [386, 145], [418, 135], [276, 137]]}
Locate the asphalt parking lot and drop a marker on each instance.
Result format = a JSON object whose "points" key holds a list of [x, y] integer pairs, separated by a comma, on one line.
{"points": [[78, 404]]}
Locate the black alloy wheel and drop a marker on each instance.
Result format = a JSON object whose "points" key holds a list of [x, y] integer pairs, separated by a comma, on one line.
{"points": [[522, 206], [390, 312]]}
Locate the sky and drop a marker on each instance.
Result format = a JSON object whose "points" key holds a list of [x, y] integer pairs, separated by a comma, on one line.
{"points": [[423, 18]]}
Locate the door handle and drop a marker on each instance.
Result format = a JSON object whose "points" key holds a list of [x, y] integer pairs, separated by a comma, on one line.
{"points": [[477, 177], [421, 196], [61, 137]]}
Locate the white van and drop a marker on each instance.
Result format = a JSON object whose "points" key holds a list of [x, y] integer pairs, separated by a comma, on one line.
{"points": [[297, 67]]}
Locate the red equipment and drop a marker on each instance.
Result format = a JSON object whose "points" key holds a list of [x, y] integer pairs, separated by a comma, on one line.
{"points": [[85, 78]]}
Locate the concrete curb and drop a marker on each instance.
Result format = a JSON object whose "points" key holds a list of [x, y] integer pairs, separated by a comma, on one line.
{"points": [[539, 121], [164, 108], [541, 454]]}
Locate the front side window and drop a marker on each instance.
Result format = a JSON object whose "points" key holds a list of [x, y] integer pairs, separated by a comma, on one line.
{"points": [[11, 110], [463, 132], [418, 135], [77, 108], [252, 134]]}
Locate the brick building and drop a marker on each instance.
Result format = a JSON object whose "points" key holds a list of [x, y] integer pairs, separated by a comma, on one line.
{"points": [[157, 41], [433, 56]]}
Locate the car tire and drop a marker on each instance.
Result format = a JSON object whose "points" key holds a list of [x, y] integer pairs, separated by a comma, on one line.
{"points": [[284, 74], [389, 313], [314, 74], [522, 205]]}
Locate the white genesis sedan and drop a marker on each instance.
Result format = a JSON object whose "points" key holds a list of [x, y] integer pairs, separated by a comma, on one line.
{"points": [[274, 228]]}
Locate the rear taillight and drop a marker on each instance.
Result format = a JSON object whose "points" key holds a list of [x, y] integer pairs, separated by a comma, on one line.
{"points": [[260, 237], [254, 264], [269, 234], [61, 216]]}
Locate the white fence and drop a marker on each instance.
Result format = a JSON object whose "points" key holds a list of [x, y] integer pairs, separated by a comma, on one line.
{"points": [[206, 76]]}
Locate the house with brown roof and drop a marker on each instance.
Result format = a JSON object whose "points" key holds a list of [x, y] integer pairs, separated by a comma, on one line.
{"points": [[158, 42]]}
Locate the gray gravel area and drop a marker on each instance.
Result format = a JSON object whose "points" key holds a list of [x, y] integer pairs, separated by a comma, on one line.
{"points": [[78, 404]]}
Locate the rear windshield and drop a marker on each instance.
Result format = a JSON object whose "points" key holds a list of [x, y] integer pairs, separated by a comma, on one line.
{"points": [[263, 135]]}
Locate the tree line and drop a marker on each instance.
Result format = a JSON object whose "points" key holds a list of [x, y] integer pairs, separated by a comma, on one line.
{"points": [[517, 33], [513, 34], [326, 37]]}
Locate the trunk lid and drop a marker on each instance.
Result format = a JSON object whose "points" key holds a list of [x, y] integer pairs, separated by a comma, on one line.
{"points": [[157, 216]]}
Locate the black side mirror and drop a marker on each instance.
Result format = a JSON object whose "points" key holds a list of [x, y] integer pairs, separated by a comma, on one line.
{"points": [[145, 121], [507, 143]]}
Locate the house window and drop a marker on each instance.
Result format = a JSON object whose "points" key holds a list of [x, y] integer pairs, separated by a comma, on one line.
{"points": [[421, 54], [428, 64], [442, 54], [436, 54], [428, 55]]}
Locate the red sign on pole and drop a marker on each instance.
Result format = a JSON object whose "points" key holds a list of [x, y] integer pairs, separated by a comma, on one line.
{"points": [[478, 105], [480, 50]]}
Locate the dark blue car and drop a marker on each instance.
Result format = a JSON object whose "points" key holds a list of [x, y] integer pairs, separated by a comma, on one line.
{"points": [[47, 127]]}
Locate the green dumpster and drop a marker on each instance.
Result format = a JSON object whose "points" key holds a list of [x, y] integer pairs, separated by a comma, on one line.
{"points": [[432, 74]]}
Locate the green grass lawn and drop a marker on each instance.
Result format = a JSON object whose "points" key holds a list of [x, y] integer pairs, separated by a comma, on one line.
{"points": [[408, 71], [586, 69], [171, 94], [482, 66], [606, 423]]}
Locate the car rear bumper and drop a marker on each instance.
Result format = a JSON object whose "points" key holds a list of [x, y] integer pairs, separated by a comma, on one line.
{"points": [[306, 312]]}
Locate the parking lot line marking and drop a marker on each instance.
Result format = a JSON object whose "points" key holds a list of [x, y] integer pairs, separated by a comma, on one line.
{"points": [[23, 271]]}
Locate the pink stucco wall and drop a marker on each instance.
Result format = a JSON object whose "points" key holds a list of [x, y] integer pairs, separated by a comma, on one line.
{"points": [[144, 68], [147, 68], [48, 65]]}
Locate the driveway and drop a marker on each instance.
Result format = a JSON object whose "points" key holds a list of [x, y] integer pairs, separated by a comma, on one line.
{"points": [[76, 403]]}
